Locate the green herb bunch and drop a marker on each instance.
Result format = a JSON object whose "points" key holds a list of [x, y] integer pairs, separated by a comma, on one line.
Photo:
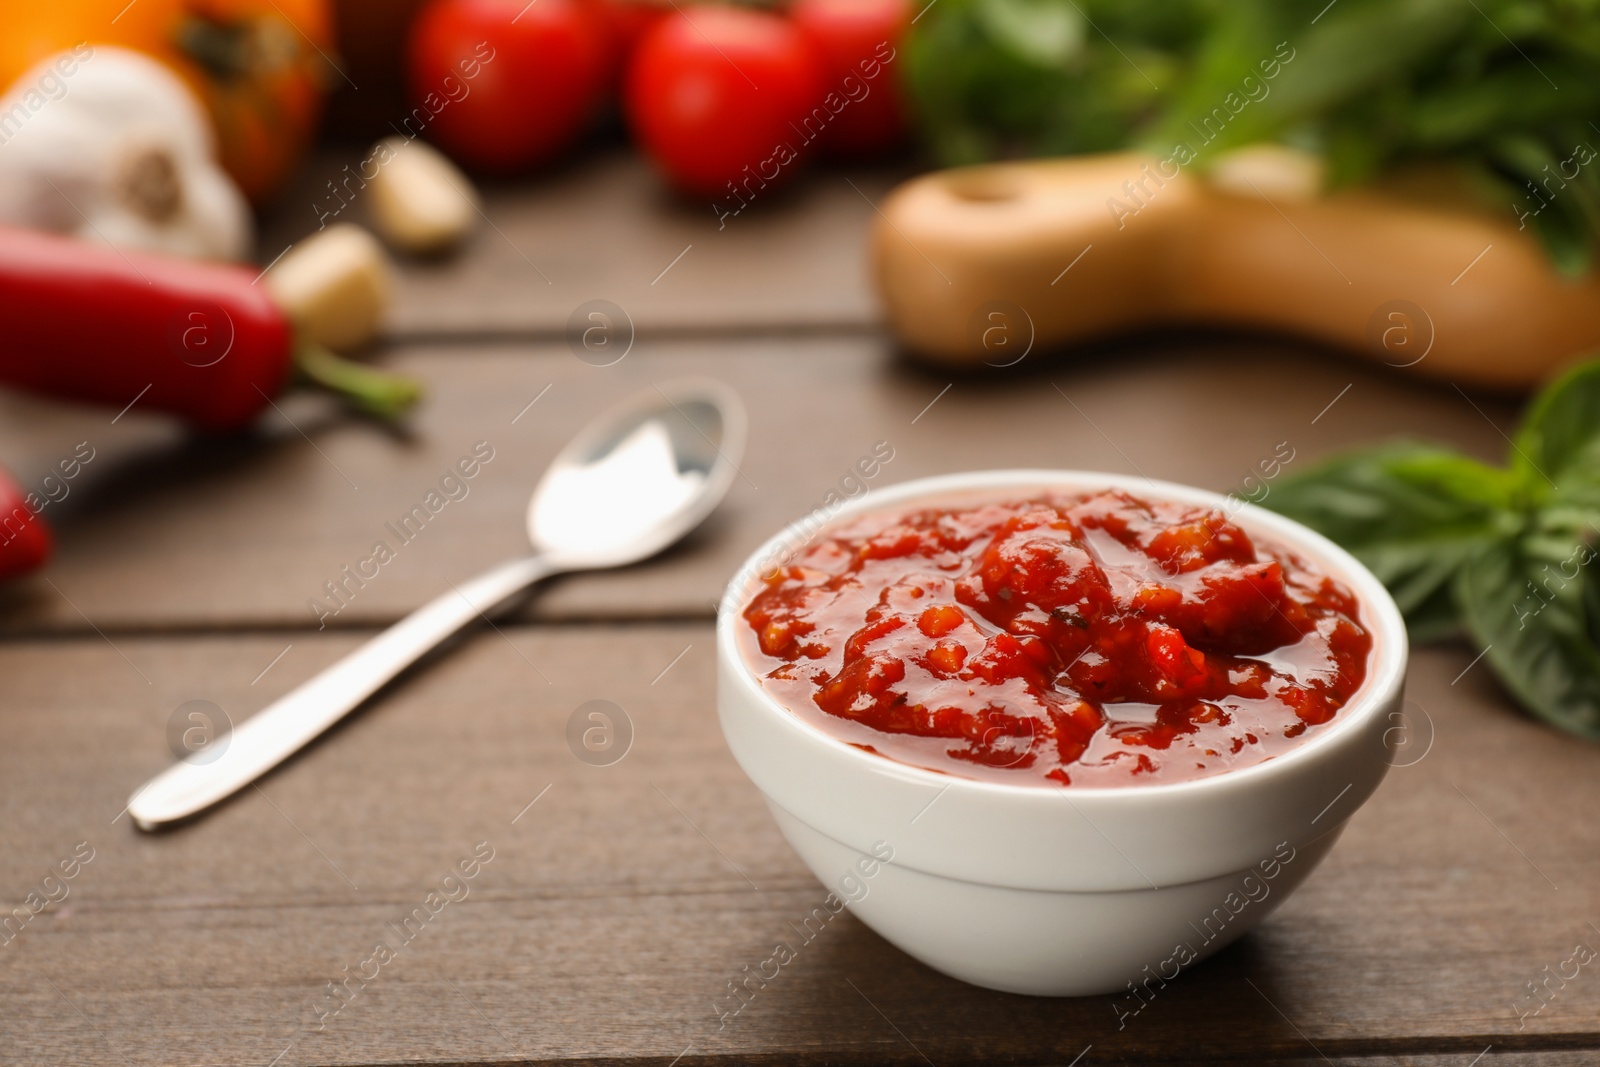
{"points": [[1508, 90], [1508, 554], [994, 78]]}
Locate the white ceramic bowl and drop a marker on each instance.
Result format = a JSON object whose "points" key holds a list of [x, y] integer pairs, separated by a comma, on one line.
{"points": [[1061, 892]]}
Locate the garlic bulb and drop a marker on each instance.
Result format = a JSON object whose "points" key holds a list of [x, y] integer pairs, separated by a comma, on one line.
{"points": [[109, 145]]}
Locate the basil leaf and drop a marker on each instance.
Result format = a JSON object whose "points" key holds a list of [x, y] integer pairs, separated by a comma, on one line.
{"points": [[1356, 48], [1508, 553], [1436, 618], [1537, 625], [988, 78], [1590, 593], [1042, 32], [1413, 513], [1566, 222], [1560, 435]]}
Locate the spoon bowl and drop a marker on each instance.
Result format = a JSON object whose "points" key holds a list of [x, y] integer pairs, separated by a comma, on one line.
{"points": [[639, 477]]}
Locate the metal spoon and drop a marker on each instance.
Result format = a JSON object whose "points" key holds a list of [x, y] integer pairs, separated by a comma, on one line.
{"points": [[631, 483]]}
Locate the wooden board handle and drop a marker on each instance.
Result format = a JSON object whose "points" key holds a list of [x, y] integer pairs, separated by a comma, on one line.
{"points": [[971, 262]]}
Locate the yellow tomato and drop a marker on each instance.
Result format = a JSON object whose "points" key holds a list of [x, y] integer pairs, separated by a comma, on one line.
{"points": [[259, 66]]}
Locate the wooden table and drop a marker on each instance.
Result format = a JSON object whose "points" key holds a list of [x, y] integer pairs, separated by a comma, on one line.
{"points": [[620, 900]]}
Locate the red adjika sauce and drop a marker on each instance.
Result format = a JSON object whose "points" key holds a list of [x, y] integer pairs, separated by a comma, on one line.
{"points": [[1088, 640]]}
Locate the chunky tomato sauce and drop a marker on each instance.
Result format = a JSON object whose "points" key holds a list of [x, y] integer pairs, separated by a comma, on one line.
{"points": [[1094, 640]]}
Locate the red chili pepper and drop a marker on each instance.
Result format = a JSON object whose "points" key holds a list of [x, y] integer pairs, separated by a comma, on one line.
{"points": [[25, 540], [199, 340]]}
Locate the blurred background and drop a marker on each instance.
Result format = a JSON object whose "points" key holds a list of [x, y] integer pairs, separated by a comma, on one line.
{"points": [[270, 270]]}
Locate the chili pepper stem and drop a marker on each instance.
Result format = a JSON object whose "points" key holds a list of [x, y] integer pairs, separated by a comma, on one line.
{"points": [[375, 392]]}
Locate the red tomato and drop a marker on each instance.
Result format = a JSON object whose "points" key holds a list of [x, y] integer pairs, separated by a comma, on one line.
{"points": [[719, 98], [504, 85], [858, 40]]}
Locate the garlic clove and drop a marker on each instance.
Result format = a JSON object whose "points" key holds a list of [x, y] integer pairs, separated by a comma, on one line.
{"points": [[421, 202], [334, 285]]}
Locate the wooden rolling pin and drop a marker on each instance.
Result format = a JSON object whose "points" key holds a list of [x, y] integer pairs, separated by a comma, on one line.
{"points": [[983, 264]]}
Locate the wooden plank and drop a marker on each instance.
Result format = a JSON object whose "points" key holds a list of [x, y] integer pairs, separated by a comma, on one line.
{"points": [[617, 907], [604, 225], [171, 532]]}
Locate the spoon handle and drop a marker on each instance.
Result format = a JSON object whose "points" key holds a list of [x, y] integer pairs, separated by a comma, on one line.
{"points": [[276, 732]]}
